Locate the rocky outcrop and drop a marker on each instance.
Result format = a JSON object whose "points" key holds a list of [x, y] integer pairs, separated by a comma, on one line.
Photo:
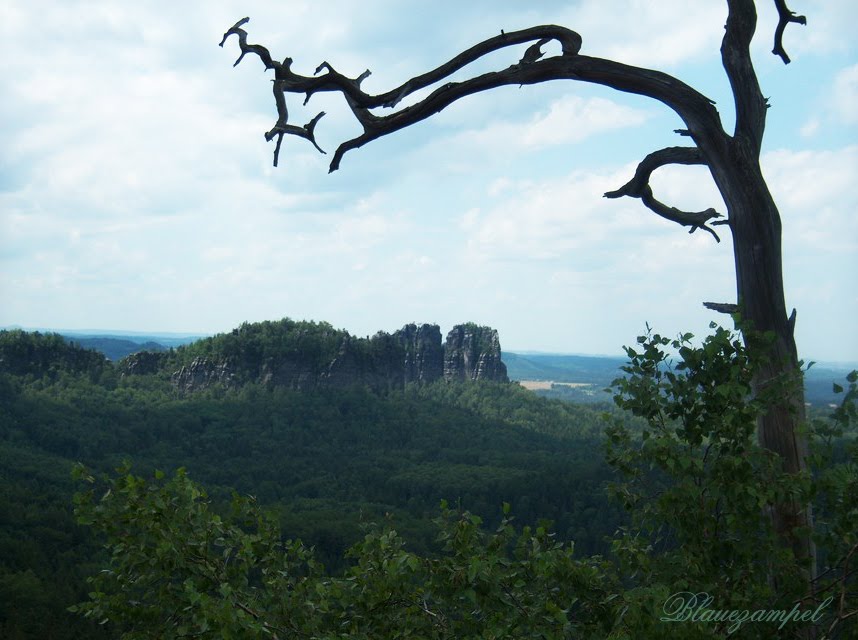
{"points": [[374, 362], [473, 353], [142, 363], [413, 354], [203, 373], [424, 353]]}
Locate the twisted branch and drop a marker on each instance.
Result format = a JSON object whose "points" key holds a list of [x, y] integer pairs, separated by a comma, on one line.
{"points": [[695, 109], [281, 127], [258, 49], [360, 103], [702, 121], [639, 187], [785, 16]]}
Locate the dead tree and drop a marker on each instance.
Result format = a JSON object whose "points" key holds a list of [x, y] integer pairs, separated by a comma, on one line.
{"points": [[732, 159]]}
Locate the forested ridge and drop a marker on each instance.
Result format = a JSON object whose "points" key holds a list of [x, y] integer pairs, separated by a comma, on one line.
{"points": [[323, 461], [251, 345]]}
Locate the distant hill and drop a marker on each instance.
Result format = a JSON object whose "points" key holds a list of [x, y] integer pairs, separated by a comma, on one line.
{"points": [[563, 368], [598, 373], [574, 378], [114, 348], [819, 380], [165, 340], [40, 355]]}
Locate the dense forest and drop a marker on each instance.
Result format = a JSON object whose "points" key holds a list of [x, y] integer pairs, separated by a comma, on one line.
{"points": [[323, 461], [662, 489]]}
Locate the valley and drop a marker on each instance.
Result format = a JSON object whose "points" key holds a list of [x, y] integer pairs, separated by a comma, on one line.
{"points": [[394, 428], [326, 431]]}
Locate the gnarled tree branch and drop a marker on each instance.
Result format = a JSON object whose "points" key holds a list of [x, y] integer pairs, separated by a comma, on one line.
{"points": [[638, 187], [687, 103], [785, 16], [751, 105], [258, 49], [695, 109]]}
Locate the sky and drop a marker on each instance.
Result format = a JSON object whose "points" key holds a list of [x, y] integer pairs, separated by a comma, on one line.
{"points": [[137, 191]]}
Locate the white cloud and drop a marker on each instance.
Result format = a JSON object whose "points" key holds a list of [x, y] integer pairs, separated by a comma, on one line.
{"points": [[573, 119], [815, 193], [845, 98], [470, 219], [561, 218], [817, 201], [650, 34], [568, 120], [809, 128]]}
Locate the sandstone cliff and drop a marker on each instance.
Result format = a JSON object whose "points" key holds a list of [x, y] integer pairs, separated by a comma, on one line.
{"points": [[473, 353], [424, 353], [202, 373], [306, 357]]}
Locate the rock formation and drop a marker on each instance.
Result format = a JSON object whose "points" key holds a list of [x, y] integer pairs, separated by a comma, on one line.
{"points": [[203, 373], [142, 363], [413, 354], [473, 353], [424, 354]]}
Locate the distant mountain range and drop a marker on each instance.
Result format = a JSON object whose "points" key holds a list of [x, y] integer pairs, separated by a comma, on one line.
{"points": [[85, 337], [597, 370], [114, 348], [116, 345]]}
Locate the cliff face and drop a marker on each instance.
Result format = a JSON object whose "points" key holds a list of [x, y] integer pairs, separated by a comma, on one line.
{"points": [[413, 354], [424, 354], [473, 353], [203, 373]]}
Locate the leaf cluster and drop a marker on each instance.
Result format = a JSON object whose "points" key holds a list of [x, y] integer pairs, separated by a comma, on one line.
{"points": [[179, 569]]}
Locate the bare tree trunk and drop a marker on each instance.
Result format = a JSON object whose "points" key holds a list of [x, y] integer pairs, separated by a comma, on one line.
{"points": [[756, 229]]}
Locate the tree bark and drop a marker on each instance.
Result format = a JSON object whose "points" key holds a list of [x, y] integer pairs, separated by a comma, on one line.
{"points": [[755, 223], [756, 230]]}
